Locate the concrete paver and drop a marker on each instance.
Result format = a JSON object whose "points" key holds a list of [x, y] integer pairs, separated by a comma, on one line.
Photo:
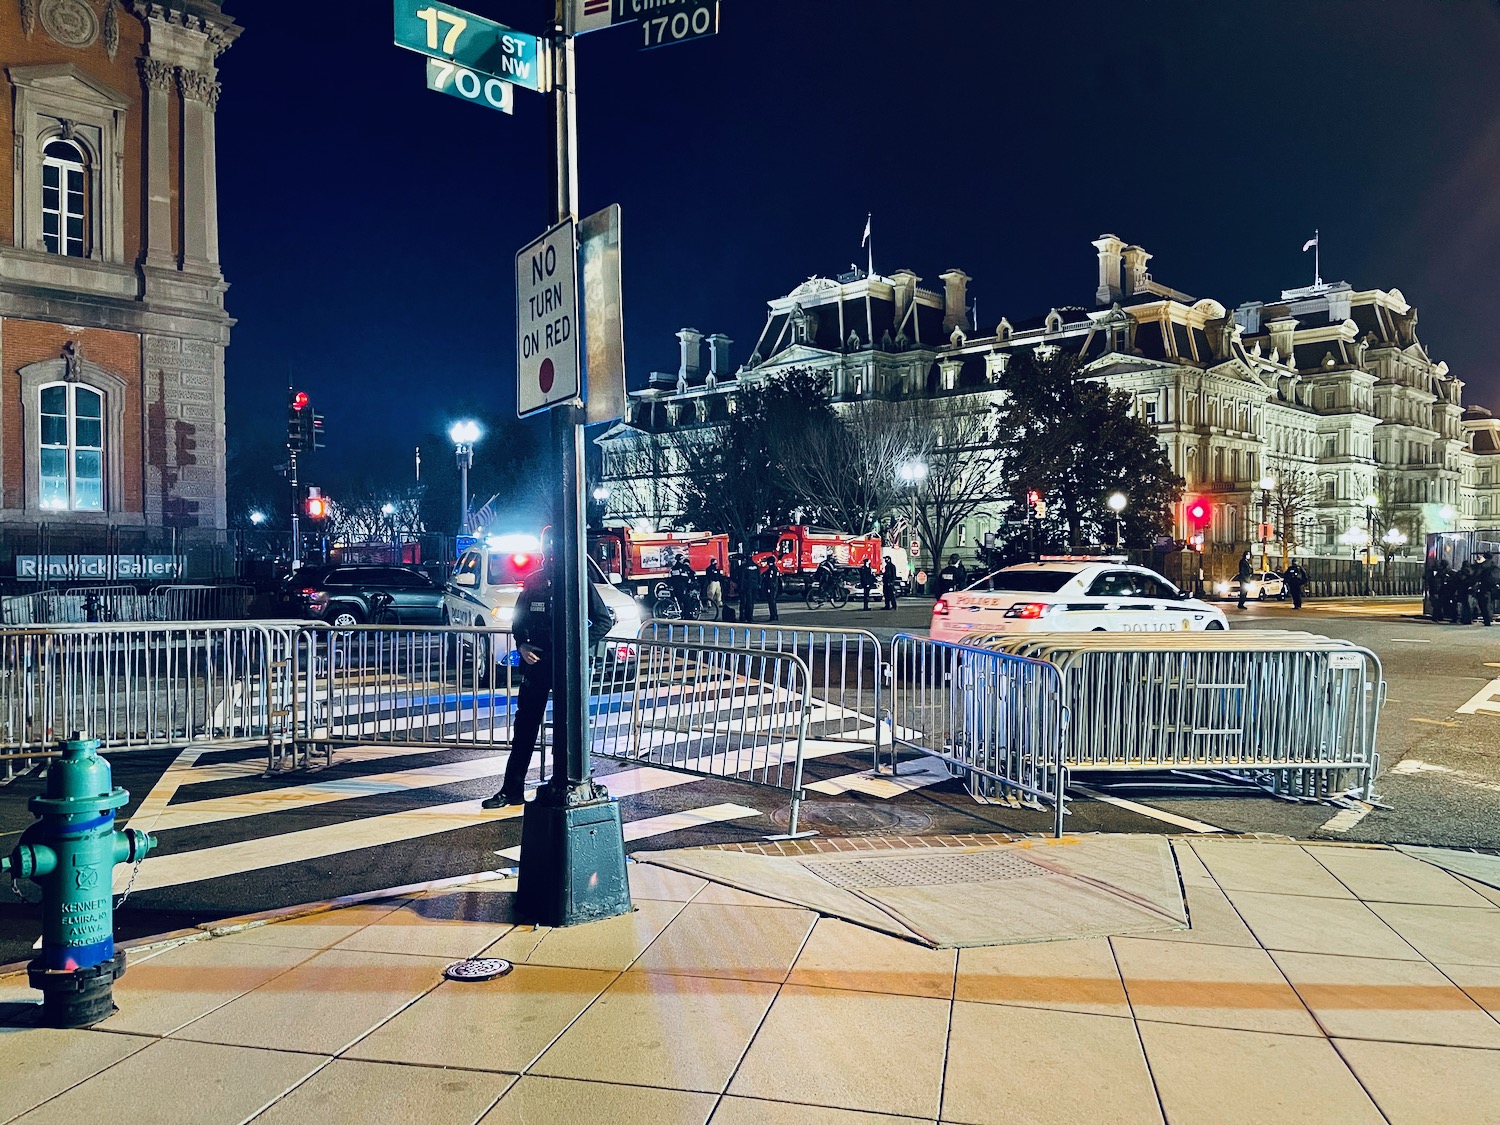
{"points": [[1285, 1002]]}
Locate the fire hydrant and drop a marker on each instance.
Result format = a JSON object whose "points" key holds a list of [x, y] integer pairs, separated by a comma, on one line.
{"points": [[71, 852]]}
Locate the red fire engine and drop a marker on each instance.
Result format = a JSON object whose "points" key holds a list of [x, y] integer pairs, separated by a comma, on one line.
{"points": [[798, 550], [640, 559]]}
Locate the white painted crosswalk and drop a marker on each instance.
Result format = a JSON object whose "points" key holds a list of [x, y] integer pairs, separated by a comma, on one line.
{"points": [[1486, 700]]}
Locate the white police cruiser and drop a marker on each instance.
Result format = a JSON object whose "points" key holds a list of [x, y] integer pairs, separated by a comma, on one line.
{"points": [[1071, 595], [486, 583]]}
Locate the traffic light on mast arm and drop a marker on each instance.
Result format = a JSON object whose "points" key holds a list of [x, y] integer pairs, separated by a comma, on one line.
{"points": [[316, 505], [296, 404]]}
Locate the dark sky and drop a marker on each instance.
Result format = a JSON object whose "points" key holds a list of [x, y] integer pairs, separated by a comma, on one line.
{"points": [[369, 227]]}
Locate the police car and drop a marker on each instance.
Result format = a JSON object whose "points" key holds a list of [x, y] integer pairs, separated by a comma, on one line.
{"points": [[486, 583], [1071, 596]]}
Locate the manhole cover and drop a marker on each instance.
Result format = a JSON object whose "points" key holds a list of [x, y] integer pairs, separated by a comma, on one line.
{"points": [[927, 871], [478, 968], [852, 818]]}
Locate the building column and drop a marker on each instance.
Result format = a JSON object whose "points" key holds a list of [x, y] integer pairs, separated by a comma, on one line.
{"points": [[200, 208], [157, 78]]}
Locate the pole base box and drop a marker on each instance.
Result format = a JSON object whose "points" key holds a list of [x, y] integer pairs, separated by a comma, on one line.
{"points": [[572, 860]]}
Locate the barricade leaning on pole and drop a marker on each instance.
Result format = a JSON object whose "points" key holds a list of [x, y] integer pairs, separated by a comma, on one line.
{"points": [[999, 720], [711, 710], [847, 669]]}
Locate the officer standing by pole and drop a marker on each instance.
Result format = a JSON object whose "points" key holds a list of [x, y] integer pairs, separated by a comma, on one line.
{"points": [[888, 584], [534, 630], [1296, 578]]}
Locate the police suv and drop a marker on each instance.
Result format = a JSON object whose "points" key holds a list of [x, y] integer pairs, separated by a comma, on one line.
{"points": [[1071, 596], [486, 583]]}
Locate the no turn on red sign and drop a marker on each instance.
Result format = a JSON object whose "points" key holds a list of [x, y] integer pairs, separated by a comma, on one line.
{"points": [[547, 327]]}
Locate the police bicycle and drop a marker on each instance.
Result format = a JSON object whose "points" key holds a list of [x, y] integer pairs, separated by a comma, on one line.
{"points": [[668, 606], [826, 587]]}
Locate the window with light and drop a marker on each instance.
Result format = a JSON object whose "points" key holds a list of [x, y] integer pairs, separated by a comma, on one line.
{"points": [[64, 198], [72, 448]]}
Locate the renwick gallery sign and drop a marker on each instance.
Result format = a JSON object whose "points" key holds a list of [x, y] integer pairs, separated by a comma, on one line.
{"points": [[127, 568]]}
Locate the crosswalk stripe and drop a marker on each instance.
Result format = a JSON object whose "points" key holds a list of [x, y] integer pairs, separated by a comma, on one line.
{"points": [[670, 822], [913, 775], [1147, 810], [1487, 699]]}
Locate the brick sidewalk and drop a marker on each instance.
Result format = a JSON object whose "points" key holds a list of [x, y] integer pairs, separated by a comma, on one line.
{"points": [[1318, 982]]}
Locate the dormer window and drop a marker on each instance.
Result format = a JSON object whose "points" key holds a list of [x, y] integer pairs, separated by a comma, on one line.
{"points": [[64, 199]]}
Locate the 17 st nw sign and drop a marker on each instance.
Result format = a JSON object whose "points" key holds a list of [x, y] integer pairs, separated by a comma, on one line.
{"points": [[547, 321]]}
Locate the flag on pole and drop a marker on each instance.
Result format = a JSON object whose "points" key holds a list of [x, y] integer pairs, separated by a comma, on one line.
{"points": [[1309, 244], [866, 238]]}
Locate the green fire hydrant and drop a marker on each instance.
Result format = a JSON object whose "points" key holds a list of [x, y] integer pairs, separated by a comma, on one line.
{"points": [[70, 852]]}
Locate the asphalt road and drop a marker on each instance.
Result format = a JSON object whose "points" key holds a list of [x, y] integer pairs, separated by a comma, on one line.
{"points": [[237, 843]]}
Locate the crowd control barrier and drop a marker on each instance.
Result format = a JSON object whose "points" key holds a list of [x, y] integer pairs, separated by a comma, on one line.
{"points": [[998, 720], [80, 605], [1294, 713], [847, 671]]}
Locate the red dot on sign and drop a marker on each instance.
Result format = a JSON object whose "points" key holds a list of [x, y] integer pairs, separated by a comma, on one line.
{"points": [[545, 376]]}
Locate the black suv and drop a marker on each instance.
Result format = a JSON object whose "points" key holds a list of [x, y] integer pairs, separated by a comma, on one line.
{"points": [[344, 595]]}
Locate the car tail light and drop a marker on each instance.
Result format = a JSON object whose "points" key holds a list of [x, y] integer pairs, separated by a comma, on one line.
{"points": [[940, 609], [1027, 611]]}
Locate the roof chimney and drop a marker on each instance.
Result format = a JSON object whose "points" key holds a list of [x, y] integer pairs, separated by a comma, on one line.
{"points": [[718, 356], [1109, 270], [904, 283], [955, 299], [1135, 270], [692, 354]]}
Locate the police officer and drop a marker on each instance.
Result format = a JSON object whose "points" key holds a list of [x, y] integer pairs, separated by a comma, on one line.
{"points": [[888, 584], [770, 581], [1247, 568], [532, 628], [1295, 578], [681, 577], [1487, 587], [948, 576], [1441, 589], [1463, 593], [749, 585], [866, 581]]}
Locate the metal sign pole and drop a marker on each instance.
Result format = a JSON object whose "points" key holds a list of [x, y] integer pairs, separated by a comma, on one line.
{"points": [[572, 844]]}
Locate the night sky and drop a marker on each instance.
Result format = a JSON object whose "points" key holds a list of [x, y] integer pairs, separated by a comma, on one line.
{"points": [[369, 227]]}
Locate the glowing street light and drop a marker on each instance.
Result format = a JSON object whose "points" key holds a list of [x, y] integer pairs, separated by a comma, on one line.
{"points": [[601, 493], [463, 435], [257, 518], [1448, 514], [1116, 504]]}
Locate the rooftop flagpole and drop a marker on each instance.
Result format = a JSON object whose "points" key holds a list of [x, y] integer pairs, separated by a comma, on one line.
{"points": [[869, 242], [1315, 245]]}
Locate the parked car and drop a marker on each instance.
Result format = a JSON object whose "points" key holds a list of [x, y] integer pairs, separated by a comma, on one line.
{"points": [[1263, 584], [347, 595], [1070, 596]]}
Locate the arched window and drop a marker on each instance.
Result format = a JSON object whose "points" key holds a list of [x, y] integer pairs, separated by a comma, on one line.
{"points": [[64, 199], [72, 448]]}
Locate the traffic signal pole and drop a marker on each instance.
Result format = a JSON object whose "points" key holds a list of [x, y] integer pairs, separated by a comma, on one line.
{"points": [[572, 843]]}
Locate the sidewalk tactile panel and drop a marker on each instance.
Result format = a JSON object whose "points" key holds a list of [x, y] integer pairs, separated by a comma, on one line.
{"points": [[927, 871]]}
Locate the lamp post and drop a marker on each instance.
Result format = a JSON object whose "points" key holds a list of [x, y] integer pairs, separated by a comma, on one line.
{"points": [[463, 435], [1394, 539], [388, 510], [1448, 513], [1266, 484], [257, 517], [1116, 504], [912, 473]]}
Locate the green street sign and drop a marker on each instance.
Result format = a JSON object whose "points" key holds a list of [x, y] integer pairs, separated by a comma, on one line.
{"points": [[470, 85], [473, 42]]}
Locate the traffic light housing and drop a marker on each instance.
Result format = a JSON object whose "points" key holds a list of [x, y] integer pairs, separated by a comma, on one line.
{"points": [[316, 505], [296, 404], [1198, 513], [315, 433]]}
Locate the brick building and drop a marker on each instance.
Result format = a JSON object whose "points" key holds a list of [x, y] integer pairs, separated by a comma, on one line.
{"points": [[112, 319]]}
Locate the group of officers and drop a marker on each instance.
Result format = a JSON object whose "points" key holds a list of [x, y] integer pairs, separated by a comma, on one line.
{"points": [[762, 581], [1470, 593]]}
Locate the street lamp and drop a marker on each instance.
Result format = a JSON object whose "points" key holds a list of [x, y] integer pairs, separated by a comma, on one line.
{"points": [[1448, 513], [463, 435], [257, 517], [601, 493], [388, 510], [1116, 504], [1266, 484], [1371, 503], [912, 473]]}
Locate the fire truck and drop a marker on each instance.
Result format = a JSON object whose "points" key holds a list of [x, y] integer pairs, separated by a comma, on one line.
{"points": [[641, 559], [798, 550]]}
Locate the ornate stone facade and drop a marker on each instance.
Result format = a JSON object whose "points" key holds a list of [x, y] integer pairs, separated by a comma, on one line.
{"points": [[117, 104], [1326, 385]]}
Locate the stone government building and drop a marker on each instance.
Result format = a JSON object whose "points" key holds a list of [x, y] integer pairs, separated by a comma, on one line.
{"points": [[112, 318], [1326, 382]]}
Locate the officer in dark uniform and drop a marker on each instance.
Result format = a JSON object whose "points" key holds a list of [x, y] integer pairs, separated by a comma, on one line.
{"points": [[1441, 590], [770, 583], [948, 576], [1295, 578], [888, 584], [532, 628], [748, 580], [1487, 586], [866, 581]]}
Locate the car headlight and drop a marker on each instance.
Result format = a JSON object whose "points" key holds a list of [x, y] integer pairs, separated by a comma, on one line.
{"points": [[1222, 587], [504, 613]]}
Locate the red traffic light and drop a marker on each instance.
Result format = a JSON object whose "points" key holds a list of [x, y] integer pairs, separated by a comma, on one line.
{"points": [[317, 508], [1198, 512], [1033, 496], [299, 400]]}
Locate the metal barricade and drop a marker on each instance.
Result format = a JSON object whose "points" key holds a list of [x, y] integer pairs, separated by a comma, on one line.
{"points": [[997, 719], [199, 603], [711, 710], [1295, 714], [133, 686], [847, 669]]}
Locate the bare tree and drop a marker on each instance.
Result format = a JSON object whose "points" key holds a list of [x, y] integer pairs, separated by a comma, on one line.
{"points": [[954, 440], [849, 467], [1292, 500]]}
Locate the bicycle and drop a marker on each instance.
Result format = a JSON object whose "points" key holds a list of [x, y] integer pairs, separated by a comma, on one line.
{"points": [[668, 607], [829, 590], [381, 609]]}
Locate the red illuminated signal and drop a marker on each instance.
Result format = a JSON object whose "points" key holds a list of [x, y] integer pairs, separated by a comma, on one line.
{"points": [[317, 508], [299, 400], [1198, 512]]}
